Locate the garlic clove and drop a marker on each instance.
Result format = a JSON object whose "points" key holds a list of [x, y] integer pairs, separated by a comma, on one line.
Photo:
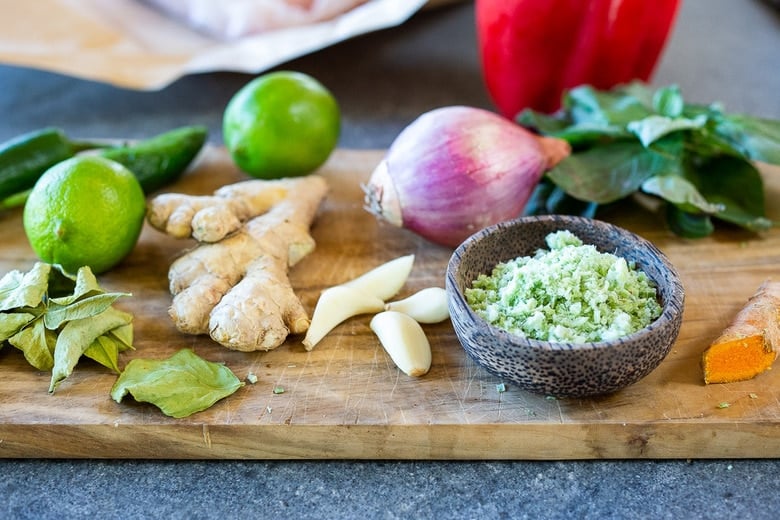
{"points": [[404, 340], [384, 281], [335, 305], [426, 306]]}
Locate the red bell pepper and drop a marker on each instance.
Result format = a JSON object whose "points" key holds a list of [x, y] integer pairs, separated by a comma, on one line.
{"points": [[532, 51]]}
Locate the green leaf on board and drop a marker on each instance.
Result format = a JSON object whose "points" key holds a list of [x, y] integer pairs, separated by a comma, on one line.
{"points": [[12, 322], [57, 314], [85, 284], [37, 343], [19, 289], [61, 283], [124, 335], [55, 317], [179, 386], [104, 350], [76, 336]]}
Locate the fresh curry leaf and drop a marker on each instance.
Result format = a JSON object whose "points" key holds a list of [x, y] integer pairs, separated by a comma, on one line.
{"points": [[544, 123], [180, 385], [652, 128], [577, 135], [548, 199], [737, 185], [757, 138], [642, 93], [706, 142], [668, 101], [701, 155], [688, 225], [590, 134], [588, 105], [537, 203], [610, 172], [680, 192], [742, 217], [712, 111]]}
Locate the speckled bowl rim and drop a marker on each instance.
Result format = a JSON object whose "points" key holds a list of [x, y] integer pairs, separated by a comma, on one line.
{"points": [[672, 309]]}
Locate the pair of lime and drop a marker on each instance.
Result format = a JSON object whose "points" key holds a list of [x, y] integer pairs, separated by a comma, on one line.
{"points": [[90, 211]]}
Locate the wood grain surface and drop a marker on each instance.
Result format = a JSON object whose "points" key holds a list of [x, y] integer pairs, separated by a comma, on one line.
{"points": [[347, 400]]}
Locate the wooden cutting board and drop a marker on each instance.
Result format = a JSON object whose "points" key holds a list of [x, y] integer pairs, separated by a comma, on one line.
{"points": [[346, 399]]}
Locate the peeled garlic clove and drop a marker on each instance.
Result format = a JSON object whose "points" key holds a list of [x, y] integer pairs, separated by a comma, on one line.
{"points": [[335, 305], [386, 280], [404, 340], [425, 306]]}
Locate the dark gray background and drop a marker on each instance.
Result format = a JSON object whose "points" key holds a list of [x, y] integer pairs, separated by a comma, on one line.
{"points": [[725, 50]]}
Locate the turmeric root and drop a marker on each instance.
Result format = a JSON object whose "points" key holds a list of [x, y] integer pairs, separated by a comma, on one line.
{"points": [[749, 345], [236, 288]]}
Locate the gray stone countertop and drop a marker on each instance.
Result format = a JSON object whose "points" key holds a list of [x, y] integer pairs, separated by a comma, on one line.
{"points": [[725, 50]]}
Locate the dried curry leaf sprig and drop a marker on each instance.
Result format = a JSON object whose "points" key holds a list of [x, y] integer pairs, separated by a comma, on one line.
{"points": [[697, 159], [55, 318]]}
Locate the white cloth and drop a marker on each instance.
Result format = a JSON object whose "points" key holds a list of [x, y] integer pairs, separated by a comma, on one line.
{"points": [[231, 19]]}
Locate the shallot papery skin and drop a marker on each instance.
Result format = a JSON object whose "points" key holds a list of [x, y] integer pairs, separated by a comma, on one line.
{"points": [[456, 170]]}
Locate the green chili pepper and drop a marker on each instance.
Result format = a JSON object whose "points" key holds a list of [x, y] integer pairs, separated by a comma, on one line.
{"points": [[23, 159], [160, 160], [155, 162], [16, 200]]}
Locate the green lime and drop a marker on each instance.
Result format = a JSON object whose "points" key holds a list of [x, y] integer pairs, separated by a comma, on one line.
{"points": [[281, 124], [86, 210]]}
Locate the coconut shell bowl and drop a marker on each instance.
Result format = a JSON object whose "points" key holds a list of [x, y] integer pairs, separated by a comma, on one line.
{"points": [[562, 369]]}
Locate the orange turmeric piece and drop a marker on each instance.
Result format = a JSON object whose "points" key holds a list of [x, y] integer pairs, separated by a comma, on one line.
{"points": [[749, 345]]}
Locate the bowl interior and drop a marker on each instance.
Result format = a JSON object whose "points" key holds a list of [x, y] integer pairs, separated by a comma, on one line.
{"points": [[522, 237]]}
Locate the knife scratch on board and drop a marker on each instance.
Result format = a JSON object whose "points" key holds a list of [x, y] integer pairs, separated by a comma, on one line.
{"points": [[206, 436], [561, 419]]}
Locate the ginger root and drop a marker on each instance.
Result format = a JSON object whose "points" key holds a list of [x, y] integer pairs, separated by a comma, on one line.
{"points": [[234, 284], [749, 345], [212, 218]]}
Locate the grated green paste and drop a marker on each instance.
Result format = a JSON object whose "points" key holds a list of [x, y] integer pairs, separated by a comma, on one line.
{"points": [[570, 293]]}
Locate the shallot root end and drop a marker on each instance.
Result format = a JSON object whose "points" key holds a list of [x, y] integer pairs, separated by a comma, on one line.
{"points": [[381, 198]]}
